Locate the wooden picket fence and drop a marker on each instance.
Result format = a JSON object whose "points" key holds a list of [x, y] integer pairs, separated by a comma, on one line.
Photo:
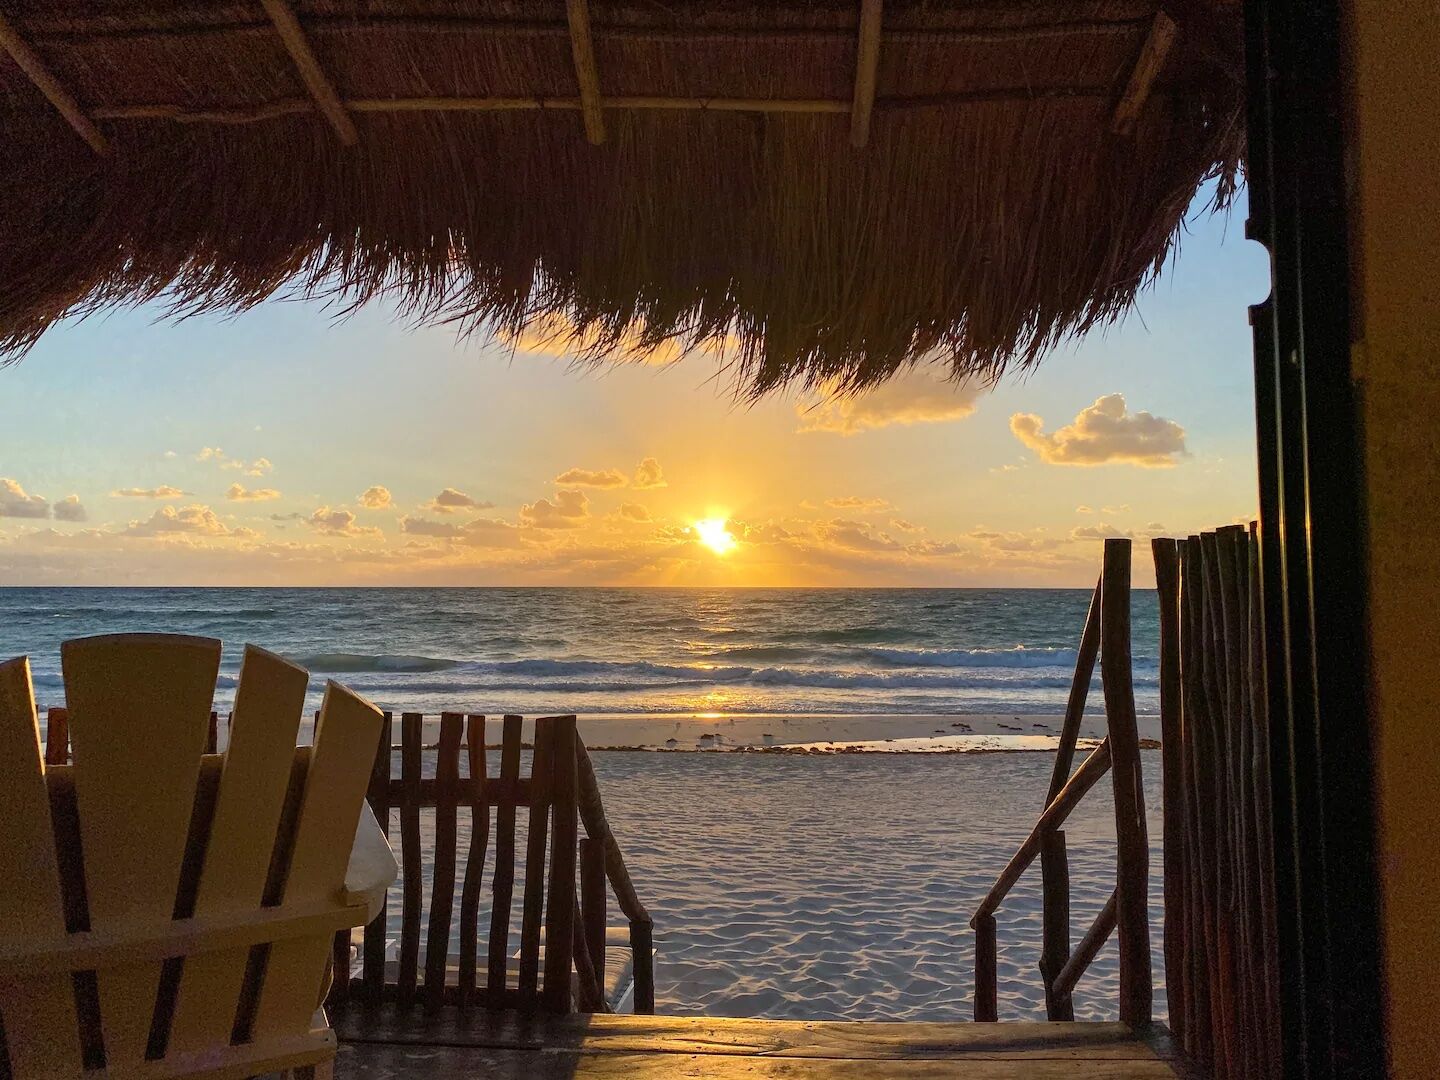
{"points": [[1107, 632], [1221, 959]]}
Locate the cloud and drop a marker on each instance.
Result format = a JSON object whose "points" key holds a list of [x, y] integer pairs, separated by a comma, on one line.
{"points": [[648, 474], [856, 502], [196, 520], [906, 526], [70, 509], [415, 526], [164, 491], [258, 467], [596, 478], [1104, 531], [450, 501], [292, 516], [239, 493], [931, 549], [338, 523], [856, 536], [169, 455], [491, 533], [913, 398], [1015, 541], [570, 510], [1104, 433], [1123, 508], [375, 497], [16, 503], [634, 512], [1084, 510]]}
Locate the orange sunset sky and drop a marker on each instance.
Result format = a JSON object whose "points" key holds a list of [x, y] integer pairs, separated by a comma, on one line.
{"points": [[283, 447]]}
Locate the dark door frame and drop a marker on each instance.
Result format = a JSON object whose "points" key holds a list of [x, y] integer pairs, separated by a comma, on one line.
{"points": [[1313, 546]]}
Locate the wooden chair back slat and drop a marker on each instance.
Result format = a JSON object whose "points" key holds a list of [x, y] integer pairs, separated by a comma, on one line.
{"points": [[504, 881], [475, 860], [561, 904], [335, 782], [533, 906], [135, 796], [38, 1015], [411, 725], [442, 887], [254, 780], [377, 931]]}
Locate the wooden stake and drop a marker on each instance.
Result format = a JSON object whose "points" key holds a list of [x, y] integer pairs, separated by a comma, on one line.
{"points": [[1147, 69], [867, 63], [588, 75], [311, 73], [31, 64]]}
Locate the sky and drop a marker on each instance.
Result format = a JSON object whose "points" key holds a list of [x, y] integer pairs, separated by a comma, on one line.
{"points": [[285, 446]]}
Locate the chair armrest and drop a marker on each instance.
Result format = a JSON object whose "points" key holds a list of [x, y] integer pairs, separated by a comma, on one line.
{"points": [[372, 865]]}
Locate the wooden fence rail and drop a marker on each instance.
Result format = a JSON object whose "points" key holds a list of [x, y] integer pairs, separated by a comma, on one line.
{"points": [[1106, 634], [1220, 938], [561, 955]]}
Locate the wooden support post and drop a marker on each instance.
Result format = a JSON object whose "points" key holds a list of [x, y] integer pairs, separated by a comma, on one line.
{"points": [[34, 68], [1055, 921], [475, 861], [564, 828], [1172, 756], [986, 962], [503, 884], [532, 906], [582, 48], [1143, 75], [1132, 846], [410, 859], [311, 73], [593, 896], [642, 955], [867, 64], [442, 887]]}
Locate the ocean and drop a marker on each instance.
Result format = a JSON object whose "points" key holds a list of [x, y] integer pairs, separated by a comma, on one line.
{"points": [[616, 651], [799, 886]]}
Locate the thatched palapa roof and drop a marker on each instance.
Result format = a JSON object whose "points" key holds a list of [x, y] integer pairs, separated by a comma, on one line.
{"points": [[835, 188]]}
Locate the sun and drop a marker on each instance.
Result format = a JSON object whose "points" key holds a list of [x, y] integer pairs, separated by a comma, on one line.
{"points": [[715, 536]]}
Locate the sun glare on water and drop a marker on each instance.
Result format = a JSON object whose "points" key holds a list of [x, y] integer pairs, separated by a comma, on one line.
{"points": [[715, 536]]}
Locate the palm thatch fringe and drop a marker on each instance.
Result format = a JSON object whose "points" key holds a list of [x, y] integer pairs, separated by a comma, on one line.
{"points": [[991, 211]]}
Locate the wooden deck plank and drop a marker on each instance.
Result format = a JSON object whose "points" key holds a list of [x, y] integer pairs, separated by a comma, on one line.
{"points": [[716, 1036], [394, 1062]]}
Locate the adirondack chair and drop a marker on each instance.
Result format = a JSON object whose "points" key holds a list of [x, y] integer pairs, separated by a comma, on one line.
{"points": [[171, 913]]}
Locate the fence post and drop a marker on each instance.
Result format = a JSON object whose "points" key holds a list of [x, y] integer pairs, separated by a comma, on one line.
{"points": [[1132, 846], [1055, 922], [986, 1005], [1172, 763]]}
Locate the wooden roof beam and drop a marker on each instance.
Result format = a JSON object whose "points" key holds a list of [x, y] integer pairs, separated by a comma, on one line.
{"points": [[867, 64], [1163, 32], [311, 73], [582, 47], [65, 104]]}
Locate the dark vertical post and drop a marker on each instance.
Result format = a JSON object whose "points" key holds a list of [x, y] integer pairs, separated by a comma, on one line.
{"points": [[410, 729], [642, 951], [594, 893], [532, 906], [986, 976], [560, 908], [442, 887], [1055, 922], [374, 970], [503, 887], [1172, 758], [475, 860], [1132, 847]]}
